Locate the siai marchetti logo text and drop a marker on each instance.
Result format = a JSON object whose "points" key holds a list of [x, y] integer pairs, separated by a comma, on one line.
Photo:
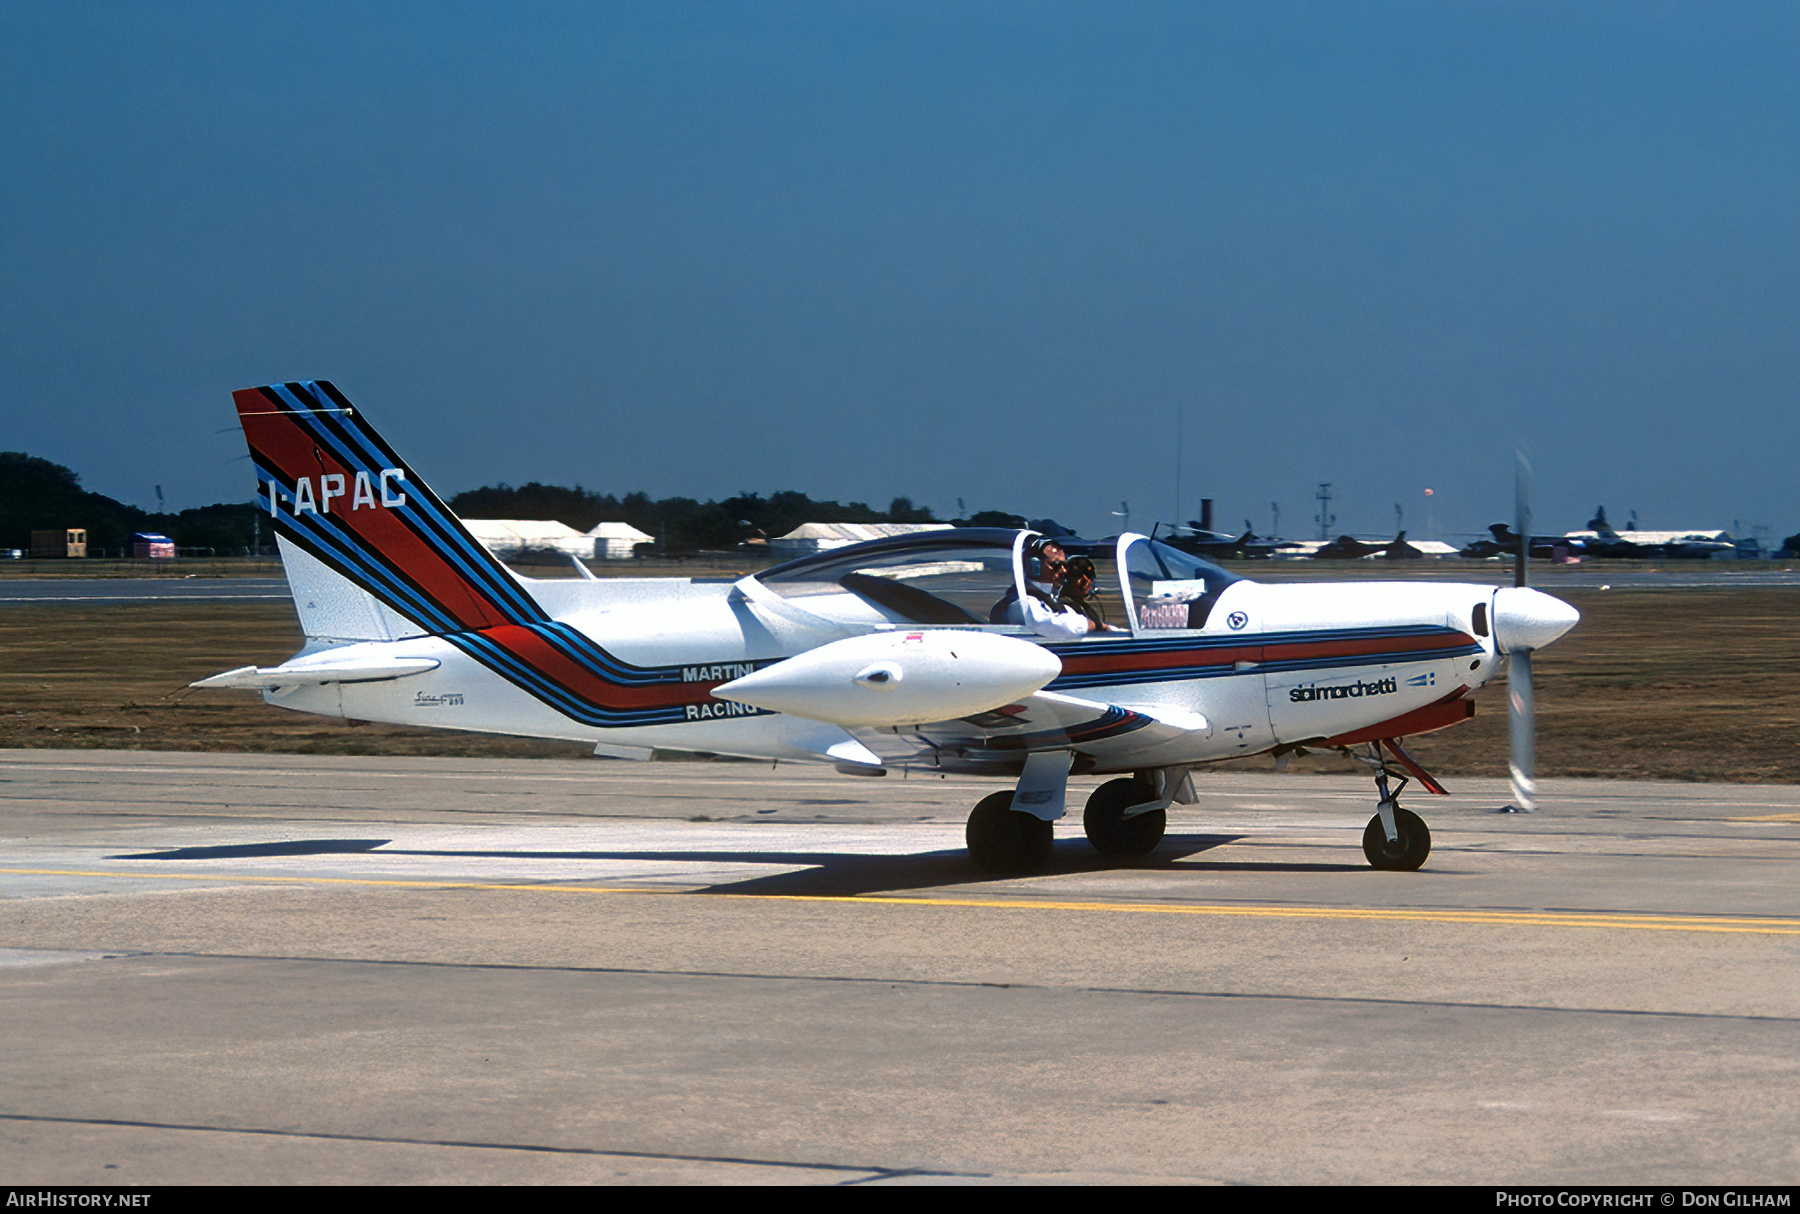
{"points": [[1343, 691]]}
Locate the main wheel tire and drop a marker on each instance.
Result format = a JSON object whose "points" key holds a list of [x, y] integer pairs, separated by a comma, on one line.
{"points": [[1003, 840], [1406, 853], [1111, 832]]}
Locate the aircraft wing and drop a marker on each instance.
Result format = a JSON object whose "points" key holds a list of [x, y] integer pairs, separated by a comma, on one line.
{"points": [[898, 689], [1048, 720]]}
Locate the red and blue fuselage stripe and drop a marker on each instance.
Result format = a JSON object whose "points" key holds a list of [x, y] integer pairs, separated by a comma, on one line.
{"points": [[1142, 660], [533, 661]]}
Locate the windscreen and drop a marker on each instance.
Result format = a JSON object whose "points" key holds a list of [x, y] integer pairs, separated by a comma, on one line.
{"points": [[935, 578], [1170, 588]]}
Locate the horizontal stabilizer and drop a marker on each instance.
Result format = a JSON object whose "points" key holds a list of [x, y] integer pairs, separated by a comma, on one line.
{"points": [[305, 672]]}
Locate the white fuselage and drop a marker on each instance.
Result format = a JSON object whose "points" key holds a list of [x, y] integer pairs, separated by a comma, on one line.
{"points": [[1264, 672]]}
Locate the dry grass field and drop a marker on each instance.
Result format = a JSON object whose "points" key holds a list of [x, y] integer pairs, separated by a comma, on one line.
{"points": [[1654, 684]]}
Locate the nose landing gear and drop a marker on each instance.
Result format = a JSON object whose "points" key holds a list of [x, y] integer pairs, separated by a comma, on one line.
{"points": [[1396, 839], [1406, 851]]}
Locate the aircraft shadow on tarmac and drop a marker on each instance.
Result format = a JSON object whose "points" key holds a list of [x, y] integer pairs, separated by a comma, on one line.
{"points": [[239, 851], [827, 874], [846, 875]]}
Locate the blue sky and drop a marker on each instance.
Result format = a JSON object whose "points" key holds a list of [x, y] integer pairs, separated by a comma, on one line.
{"points": [[985, 251]]}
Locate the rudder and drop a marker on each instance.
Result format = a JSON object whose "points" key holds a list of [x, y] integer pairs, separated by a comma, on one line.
{"points": [[368, 533]]}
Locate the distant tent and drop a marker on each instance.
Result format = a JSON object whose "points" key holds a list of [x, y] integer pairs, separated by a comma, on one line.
{"points": [[617, 541], [507, 537]]}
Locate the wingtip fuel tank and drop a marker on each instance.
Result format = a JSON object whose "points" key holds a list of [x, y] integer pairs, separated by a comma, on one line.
{"points": [[899, 678]]}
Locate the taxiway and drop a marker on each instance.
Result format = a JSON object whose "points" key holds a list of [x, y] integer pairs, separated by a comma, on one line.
{"points": [[243, 968]]}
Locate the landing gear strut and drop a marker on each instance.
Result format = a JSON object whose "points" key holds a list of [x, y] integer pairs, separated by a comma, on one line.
{"points": [[1396, 839]]}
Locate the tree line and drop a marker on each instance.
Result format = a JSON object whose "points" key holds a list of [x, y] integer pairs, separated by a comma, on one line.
{"points": [[36, 494], [682, 524]]}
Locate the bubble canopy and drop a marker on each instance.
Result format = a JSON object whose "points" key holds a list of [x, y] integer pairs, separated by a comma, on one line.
{"points": [[954, 576]]}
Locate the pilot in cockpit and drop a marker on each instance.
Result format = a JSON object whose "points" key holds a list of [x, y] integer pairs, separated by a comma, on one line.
{"points": [[1042, 612], [1077, 592]]}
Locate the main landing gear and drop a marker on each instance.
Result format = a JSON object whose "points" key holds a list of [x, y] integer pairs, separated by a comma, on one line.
{"points": [[1396, 839], [1010, 832], [1113, 829], [1002, 839]]}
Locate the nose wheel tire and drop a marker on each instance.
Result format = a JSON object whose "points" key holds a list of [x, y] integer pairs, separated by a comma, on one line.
{"points": [[1003, 840], [1404, 854], [1111, 832]]}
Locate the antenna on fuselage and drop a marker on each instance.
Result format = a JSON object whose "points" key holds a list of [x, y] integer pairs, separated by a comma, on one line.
{"points": [[1180, 419], [1521, 513]]}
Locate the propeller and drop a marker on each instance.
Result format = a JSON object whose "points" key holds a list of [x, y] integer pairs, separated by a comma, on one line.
{"points": [[1521, 729], [1521, 712], [1524, 620]]}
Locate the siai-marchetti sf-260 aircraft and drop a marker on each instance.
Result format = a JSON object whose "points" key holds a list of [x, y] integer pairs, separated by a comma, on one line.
{"points": [[871, 657]]}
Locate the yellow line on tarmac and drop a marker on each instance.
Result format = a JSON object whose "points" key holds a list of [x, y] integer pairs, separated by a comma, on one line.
{"points": [[1486, 918]]}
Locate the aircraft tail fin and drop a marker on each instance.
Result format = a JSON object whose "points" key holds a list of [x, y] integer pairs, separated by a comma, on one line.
{"points": [[370, 551]]}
